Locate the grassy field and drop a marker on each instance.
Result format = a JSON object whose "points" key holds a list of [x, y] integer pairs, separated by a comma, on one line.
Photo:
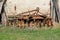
{"points": [[9, 33]]}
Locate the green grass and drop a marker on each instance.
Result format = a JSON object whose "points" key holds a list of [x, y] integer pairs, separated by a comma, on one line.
{"points": [[8, 33]]}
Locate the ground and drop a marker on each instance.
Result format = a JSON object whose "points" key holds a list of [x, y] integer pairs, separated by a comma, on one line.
{"points": [[14, 33]]}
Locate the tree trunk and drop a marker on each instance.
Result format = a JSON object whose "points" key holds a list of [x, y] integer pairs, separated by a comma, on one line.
{"points": [[55, 10], [3, 13]]}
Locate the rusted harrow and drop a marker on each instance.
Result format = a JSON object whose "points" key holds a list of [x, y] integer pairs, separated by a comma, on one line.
{"points": [[31, 20]]}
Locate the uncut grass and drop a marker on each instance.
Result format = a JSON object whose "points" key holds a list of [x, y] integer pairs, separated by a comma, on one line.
{"points": [[8, 33]]}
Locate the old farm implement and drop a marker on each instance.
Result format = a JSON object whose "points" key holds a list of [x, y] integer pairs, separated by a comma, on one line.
{"points": [[31, 18]]}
